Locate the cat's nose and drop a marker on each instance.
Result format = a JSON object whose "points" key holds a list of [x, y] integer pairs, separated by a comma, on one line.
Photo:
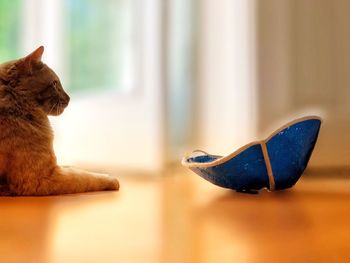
{"points": [[66, 99]]}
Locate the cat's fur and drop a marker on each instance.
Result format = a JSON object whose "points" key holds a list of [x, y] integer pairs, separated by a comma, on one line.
{"points": [[29, 92]]}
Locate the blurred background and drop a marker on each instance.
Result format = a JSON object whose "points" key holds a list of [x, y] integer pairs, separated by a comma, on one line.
{"points": [[151, 80]]}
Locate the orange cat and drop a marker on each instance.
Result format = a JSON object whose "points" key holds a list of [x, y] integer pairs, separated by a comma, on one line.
{"points": [[29, 92]]}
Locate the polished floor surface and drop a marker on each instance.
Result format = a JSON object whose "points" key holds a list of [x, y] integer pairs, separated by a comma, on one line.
{"points": [[181, 218]]}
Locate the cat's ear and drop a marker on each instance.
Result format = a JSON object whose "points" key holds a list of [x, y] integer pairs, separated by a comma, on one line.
{"points": [[36, 55], [27, 63]]}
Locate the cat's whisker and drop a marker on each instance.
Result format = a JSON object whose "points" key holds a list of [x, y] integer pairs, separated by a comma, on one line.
{"points": [[53, 106], [61, 106], [58, 108]]}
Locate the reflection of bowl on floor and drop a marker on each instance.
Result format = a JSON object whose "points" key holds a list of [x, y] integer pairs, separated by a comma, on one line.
{"points": [[275, 163]]}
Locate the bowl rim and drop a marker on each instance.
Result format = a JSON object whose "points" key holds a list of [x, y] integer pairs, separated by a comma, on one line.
{"points": [[223, 159]]}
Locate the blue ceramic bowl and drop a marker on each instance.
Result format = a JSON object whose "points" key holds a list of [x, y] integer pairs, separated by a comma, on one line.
{"points": [[275, 163]]}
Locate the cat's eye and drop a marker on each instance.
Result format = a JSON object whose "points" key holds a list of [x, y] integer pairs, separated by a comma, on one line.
{"points": [[54, 84]]}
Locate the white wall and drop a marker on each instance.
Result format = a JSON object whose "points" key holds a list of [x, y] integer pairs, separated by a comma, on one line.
{"points": [[226, 95], [304, 58]]}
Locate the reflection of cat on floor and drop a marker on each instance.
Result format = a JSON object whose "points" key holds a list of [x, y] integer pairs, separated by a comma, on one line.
{"points": [[29, 92]]}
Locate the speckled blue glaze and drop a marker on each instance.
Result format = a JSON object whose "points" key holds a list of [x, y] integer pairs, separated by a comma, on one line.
{"points": [[247, 171], [289, 152]]}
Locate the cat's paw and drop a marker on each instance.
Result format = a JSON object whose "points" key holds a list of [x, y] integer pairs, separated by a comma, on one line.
{"points": [[113, 183]]}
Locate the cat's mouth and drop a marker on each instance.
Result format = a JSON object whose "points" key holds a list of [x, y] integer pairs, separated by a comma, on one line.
{"points": [[57, 108]]}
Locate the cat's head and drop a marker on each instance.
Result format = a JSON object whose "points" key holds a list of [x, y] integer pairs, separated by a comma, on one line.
{"points": [[38, 83]]}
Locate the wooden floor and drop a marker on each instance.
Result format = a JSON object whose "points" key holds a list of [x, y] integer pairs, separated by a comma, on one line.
{"points": [[181, 218]]}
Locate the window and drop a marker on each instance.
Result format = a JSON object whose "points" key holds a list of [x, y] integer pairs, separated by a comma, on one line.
{"points": [[9, 29], [99, 39], [90, 43], [107, 48]]}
